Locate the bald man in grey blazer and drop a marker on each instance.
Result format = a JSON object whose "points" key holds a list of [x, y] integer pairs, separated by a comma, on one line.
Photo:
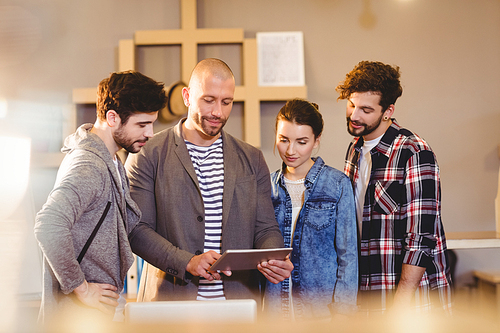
{"points": [[172, 236]]}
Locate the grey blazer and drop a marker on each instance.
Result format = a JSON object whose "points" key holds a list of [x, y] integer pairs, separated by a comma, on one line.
{"points": [[172, 229]]}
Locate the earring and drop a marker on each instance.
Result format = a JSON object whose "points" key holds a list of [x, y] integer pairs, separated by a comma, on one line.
{"points": [[386, 118]]}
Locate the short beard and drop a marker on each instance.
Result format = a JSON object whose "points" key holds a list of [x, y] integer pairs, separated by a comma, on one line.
{"points": [[121, 140], [367, 129]]}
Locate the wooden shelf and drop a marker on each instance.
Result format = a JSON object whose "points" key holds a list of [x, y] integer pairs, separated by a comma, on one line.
{"points": [[472, 240], [85, 95]]}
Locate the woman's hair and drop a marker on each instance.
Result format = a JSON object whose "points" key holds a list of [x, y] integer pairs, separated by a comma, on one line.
{"points": [[302, 112]]}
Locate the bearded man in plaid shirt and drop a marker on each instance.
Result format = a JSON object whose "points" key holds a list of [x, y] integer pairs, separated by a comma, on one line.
{"points": [[403, 261]]}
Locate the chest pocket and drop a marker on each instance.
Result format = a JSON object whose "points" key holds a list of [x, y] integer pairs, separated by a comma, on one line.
{"points": [[387, 195], [320, 213]]}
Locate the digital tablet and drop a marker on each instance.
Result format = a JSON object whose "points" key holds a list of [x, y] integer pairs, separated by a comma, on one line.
{"points": [[233, 260]]}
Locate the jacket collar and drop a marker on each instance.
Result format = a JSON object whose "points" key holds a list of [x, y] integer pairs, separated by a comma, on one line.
{"points": [[311, 176], [182, 152], [178, 138]]}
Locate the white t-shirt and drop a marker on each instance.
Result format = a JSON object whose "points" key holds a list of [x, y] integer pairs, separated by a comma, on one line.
{"points": [[115, 160], [364, 172]]}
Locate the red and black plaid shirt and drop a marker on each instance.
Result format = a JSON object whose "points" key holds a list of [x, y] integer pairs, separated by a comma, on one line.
{"points": [[401, 218]]}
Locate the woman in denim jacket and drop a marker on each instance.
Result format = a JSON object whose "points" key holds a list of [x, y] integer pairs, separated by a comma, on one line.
{"points": [[314, 207]]}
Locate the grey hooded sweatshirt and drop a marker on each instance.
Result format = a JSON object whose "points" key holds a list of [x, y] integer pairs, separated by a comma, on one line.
{"points": [[87, 179]]}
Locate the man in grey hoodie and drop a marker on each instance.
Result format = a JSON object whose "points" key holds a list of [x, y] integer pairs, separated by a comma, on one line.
{"points": [[89, 177]]}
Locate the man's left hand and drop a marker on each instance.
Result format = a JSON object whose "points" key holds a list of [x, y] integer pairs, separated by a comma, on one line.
{"points": [[276, 270]]}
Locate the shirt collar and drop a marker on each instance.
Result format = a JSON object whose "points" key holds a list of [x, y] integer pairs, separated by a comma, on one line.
{"points": [[385, 144]]}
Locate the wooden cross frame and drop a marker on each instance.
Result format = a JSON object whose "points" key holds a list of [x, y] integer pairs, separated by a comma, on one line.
{"points": [[189, 37]]}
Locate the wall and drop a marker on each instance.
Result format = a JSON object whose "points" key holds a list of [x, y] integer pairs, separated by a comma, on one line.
{"points": [[448, 51]]}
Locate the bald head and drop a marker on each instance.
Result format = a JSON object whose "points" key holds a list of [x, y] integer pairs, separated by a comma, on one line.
{"points": [[213, 67]]}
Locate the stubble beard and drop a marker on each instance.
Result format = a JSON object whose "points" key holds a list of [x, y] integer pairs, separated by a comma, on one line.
{"points": [[207, 129]]}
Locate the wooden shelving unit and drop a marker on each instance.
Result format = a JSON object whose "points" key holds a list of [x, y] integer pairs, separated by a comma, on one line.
{"points": [[189, 37]]}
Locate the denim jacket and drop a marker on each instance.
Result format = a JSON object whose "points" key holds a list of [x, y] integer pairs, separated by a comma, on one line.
{"points": [[325, 257]]}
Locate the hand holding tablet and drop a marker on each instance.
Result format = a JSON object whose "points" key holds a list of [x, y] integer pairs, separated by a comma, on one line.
{"points": [[247, 259]]}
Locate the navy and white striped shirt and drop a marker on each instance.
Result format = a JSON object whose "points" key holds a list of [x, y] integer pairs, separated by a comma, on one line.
{"points": [[208, 163]]}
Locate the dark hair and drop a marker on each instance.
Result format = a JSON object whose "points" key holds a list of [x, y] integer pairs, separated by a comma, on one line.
{"points": [[302, 112], [373, 76], [128, 93]]}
